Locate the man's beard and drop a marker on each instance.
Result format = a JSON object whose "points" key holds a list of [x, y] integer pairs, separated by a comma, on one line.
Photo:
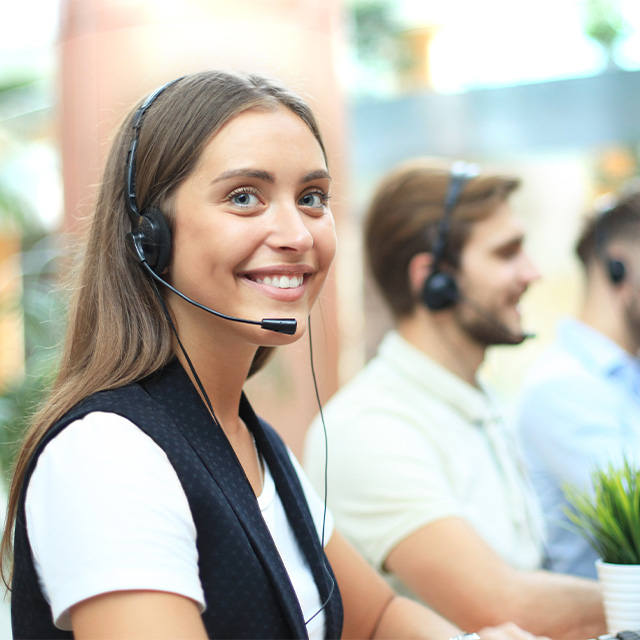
{"points": [[632, 320], [485, 327]]}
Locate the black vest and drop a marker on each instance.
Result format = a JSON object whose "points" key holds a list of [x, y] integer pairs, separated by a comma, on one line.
{"points": [[246, 586]]}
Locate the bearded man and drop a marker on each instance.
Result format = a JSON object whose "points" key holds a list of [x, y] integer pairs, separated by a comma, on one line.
{"points": [[423, 476]]}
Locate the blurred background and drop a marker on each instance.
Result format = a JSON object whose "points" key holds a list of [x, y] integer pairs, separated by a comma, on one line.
{"points": [[546, 90]]}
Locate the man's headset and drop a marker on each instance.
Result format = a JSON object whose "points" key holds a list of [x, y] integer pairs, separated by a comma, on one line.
{"points": [[616, 269], [149, 240], [440, 289]]}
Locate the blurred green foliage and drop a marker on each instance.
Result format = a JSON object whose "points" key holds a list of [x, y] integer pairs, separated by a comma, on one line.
{"points": [[605, 24], [34, 301], [379, 45]]}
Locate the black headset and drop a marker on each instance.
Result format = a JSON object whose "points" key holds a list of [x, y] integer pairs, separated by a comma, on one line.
{"points": [[616, 269], [440, 289], [150, 237]]}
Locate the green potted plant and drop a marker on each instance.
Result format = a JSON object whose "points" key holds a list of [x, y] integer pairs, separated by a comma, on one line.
{"points": [[609, 518]]}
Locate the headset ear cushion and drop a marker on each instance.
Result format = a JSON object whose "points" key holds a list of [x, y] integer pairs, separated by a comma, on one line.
{"points": [[156, 239], [440, 291], [617, 270]]}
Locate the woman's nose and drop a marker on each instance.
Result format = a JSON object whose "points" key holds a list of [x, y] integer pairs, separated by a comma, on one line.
{"points": [[289, 230]]}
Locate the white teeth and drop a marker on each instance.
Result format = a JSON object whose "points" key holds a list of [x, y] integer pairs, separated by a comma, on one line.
{"points": [[282, 282]]}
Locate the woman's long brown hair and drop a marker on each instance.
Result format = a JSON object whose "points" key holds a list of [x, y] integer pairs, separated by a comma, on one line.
{"points": [[117, 331]]}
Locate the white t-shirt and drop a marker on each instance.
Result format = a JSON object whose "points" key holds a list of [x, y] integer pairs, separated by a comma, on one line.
{"points": [[106, 512]]}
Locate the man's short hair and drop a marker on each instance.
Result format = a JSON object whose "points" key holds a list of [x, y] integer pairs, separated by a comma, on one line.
{"points": [[403, 217], [619, 222]]}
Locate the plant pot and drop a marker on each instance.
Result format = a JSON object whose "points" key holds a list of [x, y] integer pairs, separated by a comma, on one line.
{"points": [[620, 587]]}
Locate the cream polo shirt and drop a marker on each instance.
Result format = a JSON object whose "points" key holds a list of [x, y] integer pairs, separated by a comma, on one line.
{"points": [[411, 443]]}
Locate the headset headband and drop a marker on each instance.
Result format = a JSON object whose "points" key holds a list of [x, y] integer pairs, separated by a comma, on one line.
{"points": [[130, 165], [461, 173]]}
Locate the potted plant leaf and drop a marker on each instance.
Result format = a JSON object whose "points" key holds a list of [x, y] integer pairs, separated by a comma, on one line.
{"points": [[609, 518]]}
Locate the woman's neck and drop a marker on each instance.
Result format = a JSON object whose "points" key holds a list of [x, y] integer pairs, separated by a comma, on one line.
{"points": [[221, 365]]}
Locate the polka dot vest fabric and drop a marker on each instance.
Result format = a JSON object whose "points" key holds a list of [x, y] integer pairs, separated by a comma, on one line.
{"points": [[247, 590]]}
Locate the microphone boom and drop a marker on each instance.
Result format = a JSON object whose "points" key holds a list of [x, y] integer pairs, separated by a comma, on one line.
{"points": [[287, 326]]}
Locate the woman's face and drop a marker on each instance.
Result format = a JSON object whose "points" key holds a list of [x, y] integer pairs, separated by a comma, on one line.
{"points": [[254, 235]]}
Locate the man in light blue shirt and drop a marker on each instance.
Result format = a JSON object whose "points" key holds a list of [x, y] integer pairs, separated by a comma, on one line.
{"points": [[580, 404]]}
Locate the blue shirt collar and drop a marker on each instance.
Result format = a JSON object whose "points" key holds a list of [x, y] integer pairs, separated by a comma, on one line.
{"points": [[595, 350]]}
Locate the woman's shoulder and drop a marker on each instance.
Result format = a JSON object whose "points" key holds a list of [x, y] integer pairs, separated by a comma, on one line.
{"points": [[127, 399], [101, 459], [100, 442], [101, 433], [102, 505]]}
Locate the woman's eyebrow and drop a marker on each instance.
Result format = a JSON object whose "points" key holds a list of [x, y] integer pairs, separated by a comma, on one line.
{"points": [[320, 174], [245, 173]]}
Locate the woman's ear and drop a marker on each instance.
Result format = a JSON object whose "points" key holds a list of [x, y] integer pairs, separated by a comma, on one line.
{"points": [[419, 269]]}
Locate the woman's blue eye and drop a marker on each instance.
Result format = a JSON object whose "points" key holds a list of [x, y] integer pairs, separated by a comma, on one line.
{"points": [[313, 199], [243, 199]]}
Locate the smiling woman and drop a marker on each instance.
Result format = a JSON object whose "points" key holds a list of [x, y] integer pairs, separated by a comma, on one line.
{"points": [[226, 184], [148, 499], [254, 223]]}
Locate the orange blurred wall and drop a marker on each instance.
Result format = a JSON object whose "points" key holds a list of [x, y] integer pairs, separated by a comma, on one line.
{"points": [[11, 320]]}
